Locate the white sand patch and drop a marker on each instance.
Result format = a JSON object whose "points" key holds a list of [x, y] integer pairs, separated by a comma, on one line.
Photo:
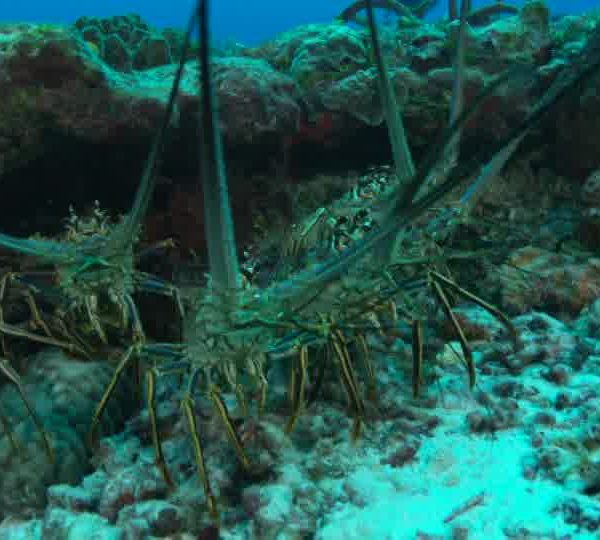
{"points": [[453, 469]]}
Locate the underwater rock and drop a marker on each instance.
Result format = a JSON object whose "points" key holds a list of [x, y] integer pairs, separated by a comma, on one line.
{"points": [[590, 191], [64, 393], [254, 100], [547, 342], [575, 147], [127, 42], [132, 485], [151, 518], [316, 54], [333, 67], [34, 59], [560, 284], [60, 524], [585, 514], [535, 16], [524, 37], [588, 322], [357, 94], [84, 498], [589, 228], [63, 107], [58, 107], [476, 323], [575, 139], [427, 48], [570, 33]]}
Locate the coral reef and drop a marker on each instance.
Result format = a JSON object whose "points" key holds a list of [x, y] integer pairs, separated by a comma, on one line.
{"points": [[128, 43], [563, 283], [308, 392], [64, 392], [61, 114]]}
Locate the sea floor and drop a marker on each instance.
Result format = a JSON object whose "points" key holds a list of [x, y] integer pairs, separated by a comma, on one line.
{"points": [[515, 457]]}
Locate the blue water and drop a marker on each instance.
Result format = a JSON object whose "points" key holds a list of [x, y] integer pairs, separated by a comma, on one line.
{"points": [[247, 21]]}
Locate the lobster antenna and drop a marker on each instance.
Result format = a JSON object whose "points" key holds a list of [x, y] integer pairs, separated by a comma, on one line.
{"points": [[220, 238], [125, 235]]}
